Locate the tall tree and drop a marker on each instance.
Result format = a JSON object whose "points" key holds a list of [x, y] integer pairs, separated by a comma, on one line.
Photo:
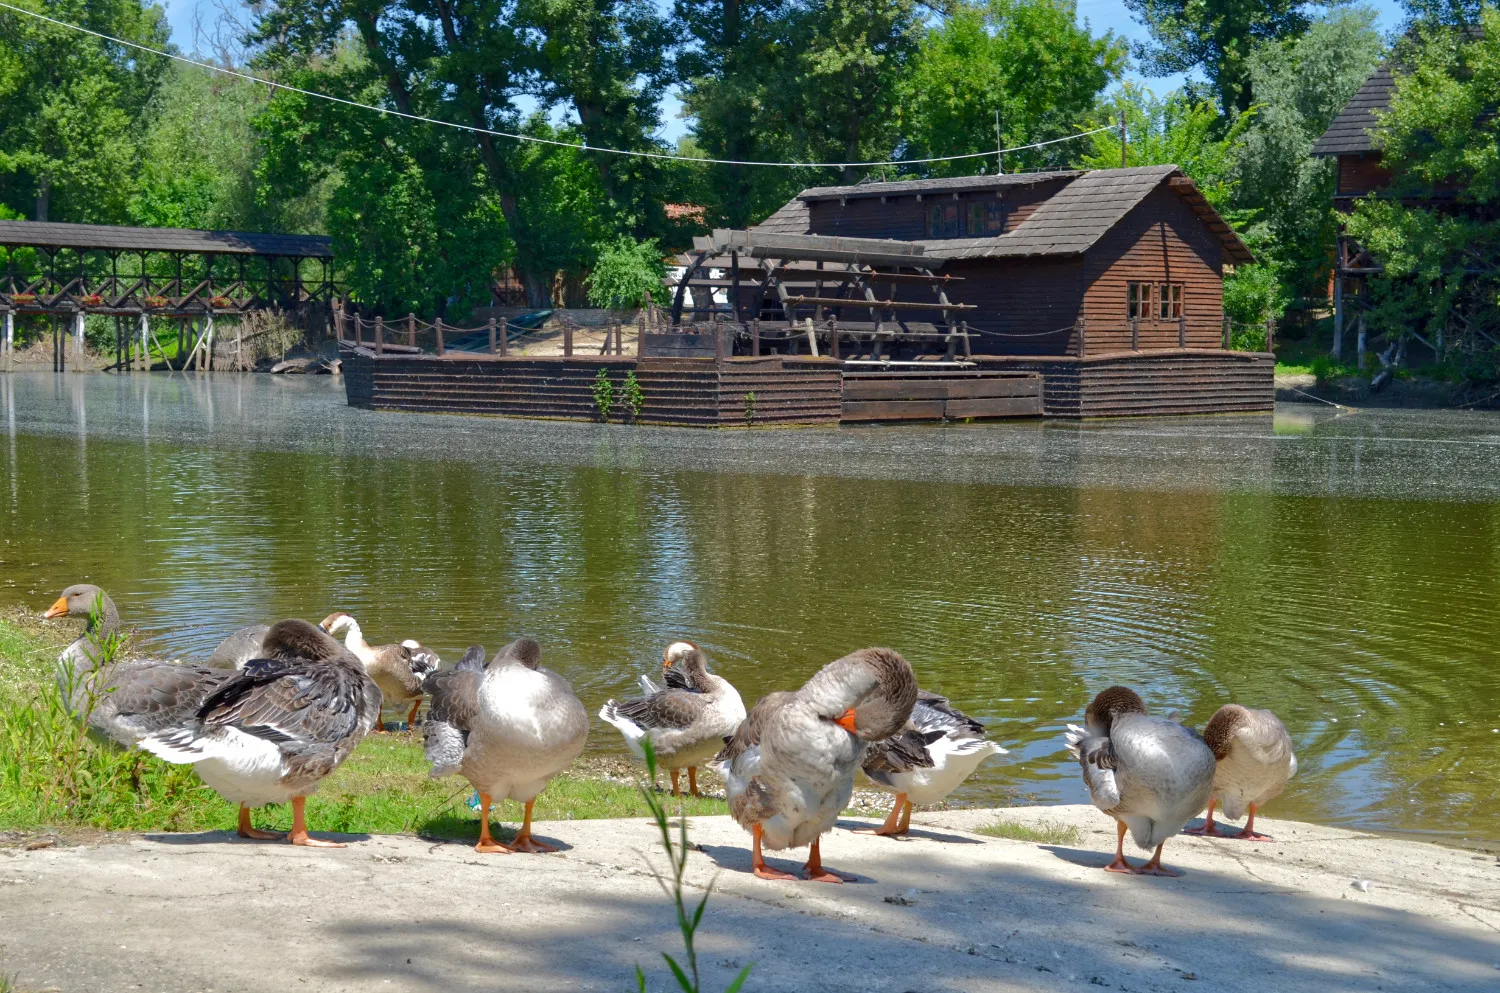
{"points": [[1216, 36], [69, 104], [1028, 60]]}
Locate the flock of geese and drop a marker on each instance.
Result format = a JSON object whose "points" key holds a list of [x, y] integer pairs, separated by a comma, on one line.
{"points": [[277, 708]]}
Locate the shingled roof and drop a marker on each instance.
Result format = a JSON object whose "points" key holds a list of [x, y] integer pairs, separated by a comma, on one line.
{"points": [[952, 184], [792, 218], [1349, 133], [106, 237]]}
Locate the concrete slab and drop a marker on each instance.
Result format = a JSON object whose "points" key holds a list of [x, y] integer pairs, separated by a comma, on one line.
{"points": [[946, 910]]}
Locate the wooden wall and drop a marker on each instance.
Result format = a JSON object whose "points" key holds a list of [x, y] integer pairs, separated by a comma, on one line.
{"points": [[1161, 240], [1019, 301], [905, 217], [1163, 383], [1361, 174]]}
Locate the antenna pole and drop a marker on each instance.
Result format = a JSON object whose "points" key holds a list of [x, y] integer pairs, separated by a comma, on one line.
{"points": [[999, 146]]}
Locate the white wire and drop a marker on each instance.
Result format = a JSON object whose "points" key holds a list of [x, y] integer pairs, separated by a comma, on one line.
{"points": [[532, 138]]}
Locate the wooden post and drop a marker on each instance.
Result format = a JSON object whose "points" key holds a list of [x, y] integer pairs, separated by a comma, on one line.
{"points": [[437, 325], [1226, 332], [380, 336], [10, 339], [755, 337], [1338, 313], [968, 347], [78, 336], [833, 337], [812, 338], [567, 337], [640, 335], [492, 336], [181, 322], [1360, 341], [1271, 334], [145, 342], [358, 339], [619, 337], [411, 329], [1135, 334], [239, 347], [718, 327], [505, 337], [1181, 331], [1083, 339]]}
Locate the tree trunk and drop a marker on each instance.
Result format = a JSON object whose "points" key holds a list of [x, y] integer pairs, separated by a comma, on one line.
{"points": [[43, 197]]}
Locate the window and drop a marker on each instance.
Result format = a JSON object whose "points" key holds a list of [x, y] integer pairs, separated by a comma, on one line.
{"points": [[1171, 301], [942, 220], [986, 217], [1137, 301]]}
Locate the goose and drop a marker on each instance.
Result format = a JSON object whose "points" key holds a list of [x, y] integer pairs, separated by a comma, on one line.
{"points": [[240, 647], [270, 732], [507, 727], [1255, 759], [123, 701], [397, 669], [1150, 774], [789, 769], [940, 748], [687, 724]]}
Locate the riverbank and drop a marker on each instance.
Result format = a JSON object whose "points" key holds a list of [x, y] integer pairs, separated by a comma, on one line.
{"points": [[947, 910]]}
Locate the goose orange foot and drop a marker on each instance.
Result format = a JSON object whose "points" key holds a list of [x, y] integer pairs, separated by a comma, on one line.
{"points": [[299, 835], [814, 872], [893, 826], [1209, 828], [758, 861], [487, 844], [524, 842], [1155, 868], [246, 830]]}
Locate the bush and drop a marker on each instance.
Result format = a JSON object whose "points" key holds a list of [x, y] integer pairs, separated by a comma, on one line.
{"points": [[625, 270], [632, 396], [604, 394]]}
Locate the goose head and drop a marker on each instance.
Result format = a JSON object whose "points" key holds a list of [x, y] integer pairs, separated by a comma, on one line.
{"points": [[341, 625], [526, 651], [686, 655], [1221, 728], [80, 600], [869, 693], [1110, 704]]}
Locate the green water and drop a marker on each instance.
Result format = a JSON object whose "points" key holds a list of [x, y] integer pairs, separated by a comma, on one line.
{"points": [[1341, 570]]}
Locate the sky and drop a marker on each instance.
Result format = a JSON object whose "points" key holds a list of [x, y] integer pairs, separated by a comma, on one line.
{"points": [[1101, 15]]}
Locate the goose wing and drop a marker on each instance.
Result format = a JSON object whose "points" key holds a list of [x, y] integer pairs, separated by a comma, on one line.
{"points": [[899, 753], [287, 701], [240, 647], [934, 713], [667, 710], [1096, 756], [454, 696], [148, 696]]}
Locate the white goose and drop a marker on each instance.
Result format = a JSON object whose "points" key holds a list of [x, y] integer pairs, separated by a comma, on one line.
{"points": [[687, 724], [790, 767], [1150, 774], [397, 669], [1255, 760], [507, 727], [272, 731], [939, 749]]}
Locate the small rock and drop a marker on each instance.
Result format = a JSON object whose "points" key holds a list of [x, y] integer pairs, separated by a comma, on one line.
{"points": [[1363, 885], [899, 900], [40, 843], [1189, 975]]}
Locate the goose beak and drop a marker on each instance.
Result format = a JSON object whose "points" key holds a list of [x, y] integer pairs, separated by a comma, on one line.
{"points": [[846, 721], [58, 609], [666, 661]]}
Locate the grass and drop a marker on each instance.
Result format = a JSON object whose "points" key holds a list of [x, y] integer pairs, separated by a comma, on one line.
{"points": [[1040, 833], [52, 775]]}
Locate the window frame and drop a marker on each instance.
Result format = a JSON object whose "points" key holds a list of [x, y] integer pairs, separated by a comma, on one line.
{"points": [[947, 227], [1169, 305], [1139, 297]]}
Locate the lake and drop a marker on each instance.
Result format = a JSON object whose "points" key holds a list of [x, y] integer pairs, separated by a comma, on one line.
{"points": [[1341, 568]]}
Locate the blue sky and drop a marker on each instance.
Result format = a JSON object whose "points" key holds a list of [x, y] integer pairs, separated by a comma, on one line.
{"points": [[1101, 15]]}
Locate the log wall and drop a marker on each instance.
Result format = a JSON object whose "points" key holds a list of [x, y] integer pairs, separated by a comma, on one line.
{"points": [[1159, 383]]}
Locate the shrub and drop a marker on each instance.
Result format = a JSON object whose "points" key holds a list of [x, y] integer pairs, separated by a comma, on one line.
{"points": [[632, 396], [625, 271], [604, 394]]}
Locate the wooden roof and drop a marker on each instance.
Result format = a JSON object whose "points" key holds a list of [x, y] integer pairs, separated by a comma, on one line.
{"points": [[105, 237], [1349, 134], [758, 244], [951, 184]]}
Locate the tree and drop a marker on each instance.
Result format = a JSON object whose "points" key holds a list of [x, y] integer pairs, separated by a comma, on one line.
{"points": [[1301, 85], [1027, 59], [1216, 36], [625, 271], [69, 104], [1437, 230]]}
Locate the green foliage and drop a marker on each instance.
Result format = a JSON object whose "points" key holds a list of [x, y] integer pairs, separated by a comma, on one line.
{"points": [[632, 397], [604, 394], [1252, 293], [749, 406], [625, 271], [1174, 130], [677, 853], [69, 106], [1216, 37], [1440, 138], [1040, 833], [1028, 59]]}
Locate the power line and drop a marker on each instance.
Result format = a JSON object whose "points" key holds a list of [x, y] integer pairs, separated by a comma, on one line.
{"points": [[532, 138]]}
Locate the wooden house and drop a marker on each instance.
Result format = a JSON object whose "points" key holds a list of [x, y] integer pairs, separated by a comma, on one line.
{"points": [[1054, 263]]}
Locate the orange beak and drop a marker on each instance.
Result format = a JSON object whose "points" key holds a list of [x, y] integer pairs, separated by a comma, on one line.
{"points": [[58, 609], [846, 721], [666, 660]]}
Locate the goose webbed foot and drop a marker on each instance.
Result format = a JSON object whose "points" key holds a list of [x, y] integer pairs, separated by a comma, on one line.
{"points": [[815, 872], [299, 835], [897, 824], [1155, 868], [246, 830]]}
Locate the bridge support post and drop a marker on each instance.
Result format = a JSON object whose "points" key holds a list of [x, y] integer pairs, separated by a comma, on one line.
{"points": [[145, 343], [10, 339]]}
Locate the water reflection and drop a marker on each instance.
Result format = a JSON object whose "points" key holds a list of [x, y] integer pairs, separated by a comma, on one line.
{"points": [[1342, 574]]}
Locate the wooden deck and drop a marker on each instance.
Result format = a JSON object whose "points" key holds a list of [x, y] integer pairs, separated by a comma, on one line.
{"points": [[788, 390]]}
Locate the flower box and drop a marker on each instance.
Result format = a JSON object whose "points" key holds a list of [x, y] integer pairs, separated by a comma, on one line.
{"points": [[22, 299], [91, 300], [155, 301], [220, 302]]}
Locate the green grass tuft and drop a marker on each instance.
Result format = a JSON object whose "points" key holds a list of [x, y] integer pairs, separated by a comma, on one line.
{"points": [[1040, 833]]}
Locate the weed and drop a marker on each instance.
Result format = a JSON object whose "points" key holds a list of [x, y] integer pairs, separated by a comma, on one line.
{"points": [[1040, 833], [677, 852], [749, 407], [632, 396], [604, 394]]}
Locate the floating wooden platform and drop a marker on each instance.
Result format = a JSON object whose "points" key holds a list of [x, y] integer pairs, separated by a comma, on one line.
{"points": [[790, 390]]}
